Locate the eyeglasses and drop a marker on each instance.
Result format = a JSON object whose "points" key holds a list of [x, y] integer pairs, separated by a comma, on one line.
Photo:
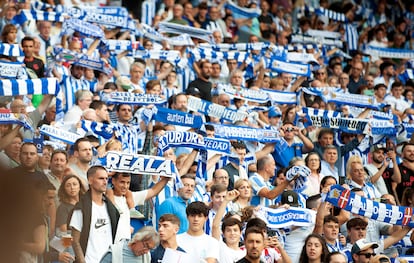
{"points": [[289, 129], [367, 255]]}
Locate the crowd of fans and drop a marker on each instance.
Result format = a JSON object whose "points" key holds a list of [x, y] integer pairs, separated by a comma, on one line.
{"points": [[212, 212]]}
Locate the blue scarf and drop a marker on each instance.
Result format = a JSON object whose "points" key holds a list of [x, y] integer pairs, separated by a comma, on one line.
{"points": [[179, 139], [294, 216], [175, 117]]}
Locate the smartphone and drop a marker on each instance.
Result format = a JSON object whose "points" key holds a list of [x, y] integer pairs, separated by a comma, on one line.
{"points": [[271, 232], [365, 59]]}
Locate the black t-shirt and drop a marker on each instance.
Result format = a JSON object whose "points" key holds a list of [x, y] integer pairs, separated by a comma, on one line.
{"points": [[203, 86], [407, 179], [267, 19], [36, 65]]}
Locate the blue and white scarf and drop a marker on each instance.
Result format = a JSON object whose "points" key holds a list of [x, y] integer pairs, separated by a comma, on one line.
{"points": [[232, 132], [139, 164], [11, 50], [281, 217], [358, 100], [300, 174], [356, 204], [180, 139], [390, 52], [217, 145], [245, 94], [243, 12], [275, 64], [170, 55], [36, 15], [84, 28], [323, 34], [238, 46], [312, 40], [15, 87], [148, 11], [12, 118], [331, 14], [215, 110], [59, 134], [10, 70], [301, 57], [166, 27], [282, 97], [135, 98]]}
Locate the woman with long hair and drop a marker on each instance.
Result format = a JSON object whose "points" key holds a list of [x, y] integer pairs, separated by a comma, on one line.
{"points": [[69, 193], [314, 250], [9, 34]]}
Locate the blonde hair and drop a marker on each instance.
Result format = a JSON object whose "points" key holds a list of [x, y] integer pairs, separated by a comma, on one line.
{"points": [[353, 159]]}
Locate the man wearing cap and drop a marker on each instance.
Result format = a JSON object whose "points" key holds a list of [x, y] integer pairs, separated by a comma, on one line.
{"points": [[379, 171], [362, 251]]}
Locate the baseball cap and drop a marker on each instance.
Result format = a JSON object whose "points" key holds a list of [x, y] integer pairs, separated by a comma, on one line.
{"points": [[361, 245], [124, 83], [290, 197], [377, 147], [274, 112]]}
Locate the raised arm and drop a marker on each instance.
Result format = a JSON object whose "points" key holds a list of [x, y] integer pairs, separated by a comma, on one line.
{"points": [[230, 196]]}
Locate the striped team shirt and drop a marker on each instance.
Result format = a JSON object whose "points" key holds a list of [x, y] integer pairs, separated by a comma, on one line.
{"points": [[71, 85], [258, 183]]}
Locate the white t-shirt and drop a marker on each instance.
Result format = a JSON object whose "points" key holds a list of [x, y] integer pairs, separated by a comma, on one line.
{"points": [[100, 233], [199, 247], [229, 255], [124, 223]]}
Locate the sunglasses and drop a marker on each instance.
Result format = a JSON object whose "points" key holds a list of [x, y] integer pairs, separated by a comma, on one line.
{"points": [[367, 255], [384, 260], [289, 129]]}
